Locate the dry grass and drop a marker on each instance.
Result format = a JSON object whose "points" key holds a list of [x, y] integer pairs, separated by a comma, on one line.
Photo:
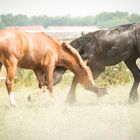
{"points": [[110, 117]]}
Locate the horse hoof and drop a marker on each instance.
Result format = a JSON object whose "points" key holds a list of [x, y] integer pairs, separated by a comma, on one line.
{"points": [[29, 98], [102, 92], [134, 99], [70, 101], [131, 101], [14, 106], [51, 101]]}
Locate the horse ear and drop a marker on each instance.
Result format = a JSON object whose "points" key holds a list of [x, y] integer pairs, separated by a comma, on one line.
{"points": [[75, 53]]}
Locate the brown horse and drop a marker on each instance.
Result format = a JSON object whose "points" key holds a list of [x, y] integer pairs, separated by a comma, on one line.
{"points": [[41, 53]]}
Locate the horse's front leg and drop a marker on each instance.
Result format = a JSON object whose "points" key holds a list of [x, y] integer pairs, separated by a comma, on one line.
{"points": [[71, 97], [10, 68], [49, 74]]}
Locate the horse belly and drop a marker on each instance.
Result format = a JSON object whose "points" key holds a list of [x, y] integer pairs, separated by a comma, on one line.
{"points": [[27, 63]]}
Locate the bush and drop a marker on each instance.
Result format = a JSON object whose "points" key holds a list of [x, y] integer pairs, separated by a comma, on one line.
{"points": [[113, 75], [25, 78]]}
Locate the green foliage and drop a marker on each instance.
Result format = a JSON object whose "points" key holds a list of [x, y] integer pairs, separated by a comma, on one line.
{"points": [[115, 75], [102, 20], [108, 19], [134, 18], [25, 78]]}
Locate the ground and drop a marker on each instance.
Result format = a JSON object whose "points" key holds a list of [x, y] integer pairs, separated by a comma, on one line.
{"points": [[110, 117]]}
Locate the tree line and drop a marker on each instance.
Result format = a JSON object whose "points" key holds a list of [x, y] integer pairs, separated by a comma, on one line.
{"points": [[102, 20], [112, 76]]}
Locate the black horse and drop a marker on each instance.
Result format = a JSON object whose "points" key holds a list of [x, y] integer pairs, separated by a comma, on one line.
{"points": [[106, 48]]}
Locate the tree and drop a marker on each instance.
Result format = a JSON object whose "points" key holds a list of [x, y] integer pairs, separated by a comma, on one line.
{"points": [[102, 20]]}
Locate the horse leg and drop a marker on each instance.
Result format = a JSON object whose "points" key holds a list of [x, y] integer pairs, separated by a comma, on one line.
{"points": [[41, 79], [0, 66], [57, 75], [49, 74], [131, 64], [42, 85], [96, 73], [71, 97], [10, 68]]}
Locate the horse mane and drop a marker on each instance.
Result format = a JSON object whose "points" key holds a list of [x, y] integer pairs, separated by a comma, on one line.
{"points": [[68, 47], [75, 53], [54, 40]]}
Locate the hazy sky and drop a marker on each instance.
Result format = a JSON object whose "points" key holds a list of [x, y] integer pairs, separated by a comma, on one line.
{"points": [[67, 7]]}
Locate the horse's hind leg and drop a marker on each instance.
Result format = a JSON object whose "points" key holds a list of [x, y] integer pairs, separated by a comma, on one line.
{"points": [[71, 97], [0, 66], [40, 77], [42, 83], [50, 82], [131, 64], [10, 68]]}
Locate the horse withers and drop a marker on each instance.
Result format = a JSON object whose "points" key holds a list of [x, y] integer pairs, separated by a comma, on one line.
{"points": [[41, 53]]}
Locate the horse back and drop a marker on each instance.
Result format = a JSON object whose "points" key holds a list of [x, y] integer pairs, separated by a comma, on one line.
{"points": [[28, 48], [13, 43]]}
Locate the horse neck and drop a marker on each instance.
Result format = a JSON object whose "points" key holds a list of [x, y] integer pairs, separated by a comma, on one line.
{"points": [[69, 61]]}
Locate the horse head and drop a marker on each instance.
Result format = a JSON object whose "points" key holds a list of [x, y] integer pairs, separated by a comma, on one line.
{"points": [[82, 72]]}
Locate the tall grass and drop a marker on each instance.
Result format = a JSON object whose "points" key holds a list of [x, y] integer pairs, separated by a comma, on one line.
{"points": [[113, 75], [26, 78]]}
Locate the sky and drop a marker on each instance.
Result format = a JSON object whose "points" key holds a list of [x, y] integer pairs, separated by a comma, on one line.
{"points": [[67, 7]]}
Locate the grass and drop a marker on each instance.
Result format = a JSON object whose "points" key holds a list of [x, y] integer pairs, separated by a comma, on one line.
{"points": [[113, 75], [110, 117]]}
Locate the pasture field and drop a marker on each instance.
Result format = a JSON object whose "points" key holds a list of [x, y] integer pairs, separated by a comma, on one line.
{"points": [[109, 118]]}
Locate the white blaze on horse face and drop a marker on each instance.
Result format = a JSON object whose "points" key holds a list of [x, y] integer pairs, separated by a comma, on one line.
{"points": [[12, 99]]}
